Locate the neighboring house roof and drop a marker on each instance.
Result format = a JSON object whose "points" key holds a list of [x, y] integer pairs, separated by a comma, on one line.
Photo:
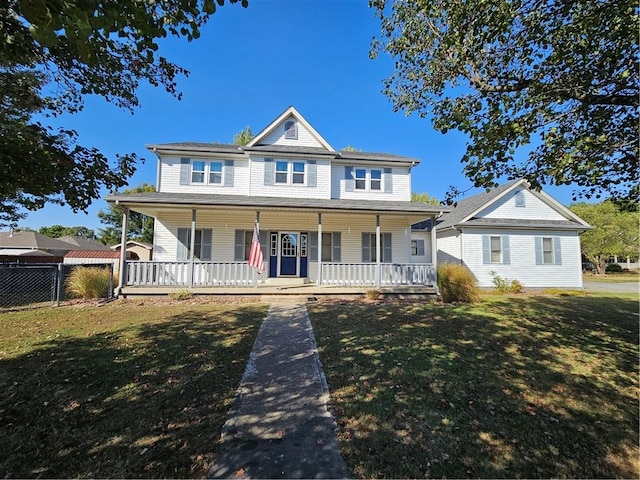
{"points": [[316, 204], [84, 243], [33, 240], [92, 254], [24, 252], [148, 246], [465, 211]]}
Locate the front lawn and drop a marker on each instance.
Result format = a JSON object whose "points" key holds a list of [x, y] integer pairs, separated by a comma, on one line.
{"points": [[622, 277], [121, 391], [516, 387]]}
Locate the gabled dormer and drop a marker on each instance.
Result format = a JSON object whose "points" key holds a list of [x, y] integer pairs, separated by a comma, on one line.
{"points": [[290, 129]]}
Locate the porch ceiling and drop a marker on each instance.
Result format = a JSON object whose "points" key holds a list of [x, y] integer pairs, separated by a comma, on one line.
{"points": [[150, 203]]}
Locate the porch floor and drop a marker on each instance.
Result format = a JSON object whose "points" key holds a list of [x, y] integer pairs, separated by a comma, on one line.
{"points": [[307, 290]]}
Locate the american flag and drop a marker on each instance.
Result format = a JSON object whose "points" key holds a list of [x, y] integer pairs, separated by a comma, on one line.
{"points": [[255, 254]]}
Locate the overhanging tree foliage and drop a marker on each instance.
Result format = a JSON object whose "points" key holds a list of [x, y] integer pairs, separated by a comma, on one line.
{"points": [[545, 89], [51, 54], [139, 228]]}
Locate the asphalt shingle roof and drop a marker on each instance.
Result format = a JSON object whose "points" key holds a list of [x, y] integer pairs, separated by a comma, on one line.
{"points": [[171, 198]]}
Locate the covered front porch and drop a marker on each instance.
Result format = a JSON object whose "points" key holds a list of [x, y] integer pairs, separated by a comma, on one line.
{"points": [[202, 243]]}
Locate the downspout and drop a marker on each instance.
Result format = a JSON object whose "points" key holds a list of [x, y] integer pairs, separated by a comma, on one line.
{"points": [[461, 242], [159, 170]]}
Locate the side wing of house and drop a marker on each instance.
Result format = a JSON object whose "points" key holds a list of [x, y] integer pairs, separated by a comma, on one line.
{"points": [[518, 234]]}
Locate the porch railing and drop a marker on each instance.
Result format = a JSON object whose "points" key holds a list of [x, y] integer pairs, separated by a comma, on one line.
{"points": [[391, 274], [179, 274], [140, 273]]}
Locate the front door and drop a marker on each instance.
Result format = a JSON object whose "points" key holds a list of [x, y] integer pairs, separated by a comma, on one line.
{"points": [[289, 253]]}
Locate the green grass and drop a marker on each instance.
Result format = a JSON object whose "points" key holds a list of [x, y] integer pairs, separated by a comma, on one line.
{"points": [[517, 387], [623, 277], [121, 391]]}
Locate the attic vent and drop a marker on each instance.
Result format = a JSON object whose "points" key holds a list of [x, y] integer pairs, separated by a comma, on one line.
{"points": [[519, 196], [291, 130]]}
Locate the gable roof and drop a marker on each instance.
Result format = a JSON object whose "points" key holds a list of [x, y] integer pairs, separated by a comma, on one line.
{"points": [[33, 240], [467, 209], [291, 111], [84, 243]]}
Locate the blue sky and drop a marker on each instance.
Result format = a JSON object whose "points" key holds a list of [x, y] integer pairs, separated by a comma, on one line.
{"points": [[247, 67]]}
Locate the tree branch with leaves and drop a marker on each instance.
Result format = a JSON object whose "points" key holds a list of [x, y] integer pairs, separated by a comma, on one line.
{"points": [[545, 90]]}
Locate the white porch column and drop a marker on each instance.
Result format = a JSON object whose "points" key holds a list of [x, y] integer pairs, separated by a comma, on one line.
{"points": [[122, 274], [319, 281], [434, 252], [192, 247], [378, 250], [257, 227]]}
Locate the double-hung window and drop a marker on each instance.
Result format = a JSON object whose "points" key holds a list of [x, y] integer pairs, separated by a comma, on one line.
{"points": [[215, 173], [282, 172], [361, 178], [198, 171], [375, 181], [496, 250], [417, 247]]}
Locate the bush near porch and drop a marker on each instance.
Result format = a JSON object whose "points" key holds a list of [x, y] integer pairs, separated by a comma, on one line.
{"points": [[121, 391], [512, 387]]}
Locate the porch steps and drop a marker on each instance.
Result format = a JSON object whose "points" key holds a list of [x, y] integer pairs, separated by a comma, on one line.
{"points": [[286, 282], [287, 298]]}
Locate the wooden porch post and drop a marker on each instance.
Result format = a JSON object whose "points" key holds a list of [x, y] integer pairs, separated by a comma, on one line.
{"points": [[122, 274], [192, 247], [434, 252], [378, 251], [319, 248]]}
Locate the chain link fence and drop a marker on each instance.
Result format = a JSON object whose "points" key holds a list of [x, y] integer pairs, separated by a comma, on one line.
{"points": [[30, 285]]}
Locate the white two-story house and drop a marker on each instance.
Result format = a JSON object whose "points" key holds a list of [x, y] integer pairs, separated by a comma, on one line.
{"points": [[325, 217]]}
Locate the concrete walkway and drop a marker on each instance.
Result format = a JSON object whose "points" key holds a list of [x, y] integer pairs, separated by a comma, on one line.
{"points": [[279, 426]]}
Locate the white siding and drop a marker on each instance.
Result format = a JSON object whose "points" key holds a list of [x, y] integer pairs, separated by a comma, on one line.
{"points": [[426, 237], [170, 178], [522, 265], [305, 137], [534, 209], [401, 185], [449, 246], [321, 190]]}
